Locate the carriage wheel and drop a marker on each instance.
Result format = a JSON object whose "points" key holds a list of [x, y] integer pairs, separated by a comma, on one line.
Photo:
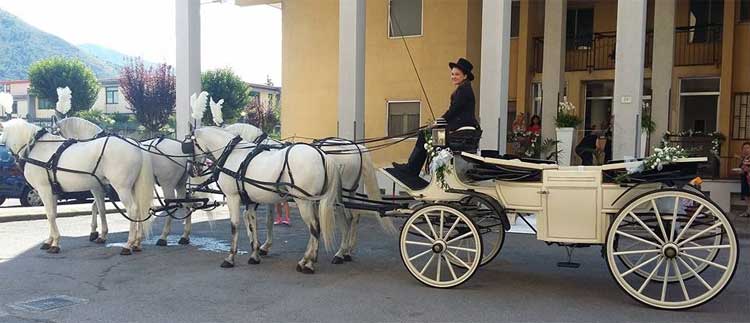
{"points": [[430, 241], [489, 225], [668, 236]]}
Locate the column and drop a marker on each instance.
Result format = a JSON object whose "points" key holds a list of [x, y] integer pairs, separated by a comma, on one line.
{"points": [[188, 60], [661, 67], [553, 64], [725, 87], [351, 124], [495, 69], [629, 59]]}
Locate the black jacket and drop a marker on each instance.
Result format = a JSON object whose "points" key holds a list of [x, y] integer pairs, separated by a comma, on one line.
{"points": [[461, 111]]}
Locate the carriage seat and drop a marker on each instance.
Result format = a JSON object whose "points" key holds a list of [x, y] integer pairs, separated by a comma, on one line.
{"points": [[464, 139]]}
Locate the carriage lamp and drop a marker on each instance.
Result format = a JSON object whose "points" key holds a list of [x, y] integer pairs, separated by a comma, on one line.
{"points": [[440, 133]]}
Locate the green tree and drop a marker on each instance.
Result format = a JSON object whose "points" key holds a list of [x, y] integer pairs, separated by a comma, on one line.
{"points": [[49, 74], [224, 84]]}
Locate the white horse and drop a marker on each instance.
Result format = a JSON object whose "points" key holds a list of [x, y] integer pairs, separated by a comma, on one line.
{"points": [[356, 169], [312, 172], [114, 161], [169, 167]]}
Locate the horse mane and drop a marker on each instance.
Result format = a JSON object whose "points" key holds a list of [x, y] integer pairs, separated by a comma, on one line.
{"points": [[247, 131], [78, 128], [20, 133]]}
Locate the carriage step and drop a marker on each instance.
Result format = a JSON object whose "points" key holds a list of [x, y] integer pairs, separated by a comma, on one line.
{"points": [[568, 264]]}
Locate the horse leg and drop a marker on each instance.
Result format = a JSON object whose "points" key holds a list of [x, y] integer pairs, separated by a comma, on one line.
{"points": [[307, 264], [127, 198], [266, 247], [101, 208], [345, 219], [185, 239], [52, 245], [252, 234], [94, 213], [233, 203], [352, 239], [168, 194]]}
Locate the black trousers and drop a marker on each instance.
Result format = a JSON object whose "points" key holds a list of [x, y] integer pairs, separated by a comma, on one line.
{"points": [[744, 185], [418, 155]]}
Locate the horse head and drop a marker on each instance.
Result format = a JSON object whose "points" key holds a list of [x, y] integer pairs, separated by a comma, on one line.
{"points": [[17, 133]]}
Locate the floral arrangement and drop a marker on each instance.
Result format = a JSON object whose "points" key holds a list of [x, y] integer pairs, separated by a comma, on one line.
{"points": [[440, 160], [566, 115], [663, 156], [717, 138]]}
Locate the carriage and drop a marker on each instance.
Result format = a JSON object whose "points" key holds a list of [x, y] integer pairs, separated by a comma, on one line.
{"points": [[665, 242]]}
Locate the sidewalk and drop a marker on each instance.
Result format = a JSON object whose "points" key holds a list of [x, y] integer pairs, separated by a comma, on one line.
{"points": [[37, 212]]}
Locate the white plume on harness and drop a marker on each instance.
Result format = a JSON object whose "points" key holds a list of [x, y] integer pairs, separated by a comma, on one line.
{"points": [[218, 117], [64, 96], [198, 104]]}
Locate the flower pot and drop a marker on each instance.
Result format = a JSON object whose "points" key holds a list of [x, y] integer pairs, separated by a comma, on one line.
{"points": [[644, 144], [564, 145]]}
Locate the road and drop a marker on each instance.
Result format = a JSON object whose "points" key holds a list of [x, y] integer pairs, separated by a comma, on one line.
{"points": [[185, 284]]}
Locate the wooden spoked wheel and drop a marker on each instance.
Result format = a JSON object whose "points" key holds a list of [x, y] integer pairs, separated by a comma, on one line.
{"points": [[672, 249], [433, 239]]}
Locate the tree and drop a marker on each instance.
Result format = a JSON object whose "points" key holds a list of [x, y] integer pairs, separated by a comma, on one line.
{"points": [[262, 116], [224, 84], [49, 74], [150, 92]]}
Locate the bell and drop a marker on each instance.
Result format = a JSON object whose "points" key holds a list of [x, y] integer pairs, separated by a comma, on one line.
{"points": [[440, 133]]}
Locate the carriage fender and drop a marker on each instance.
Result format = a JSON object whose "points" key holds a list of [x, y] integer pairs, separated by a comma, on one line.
{"points": [[496, 207]]}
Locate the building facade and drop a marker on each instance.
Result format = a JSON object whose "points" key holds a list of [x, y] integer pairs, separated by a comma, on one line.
{"points": [[688, 68]]}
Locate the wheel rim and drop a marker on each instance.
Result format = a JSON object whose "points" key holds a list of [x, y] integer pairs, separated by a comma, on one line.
{"points": [[489, 225], [674, 234], [430, 240], [33, 198]]}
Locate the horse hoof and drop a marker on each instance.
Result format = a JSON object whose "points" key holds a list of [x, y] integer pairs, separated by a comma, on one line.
{"points": [[184, 241], [299, 268], [307, 271], [226, 264], [337, 260], [125, 252], [53, 249], [100, 241], [161, 243], [93, 236], [252, 261], [45, 246], [263, 252], [137, 249], [347, 258]]}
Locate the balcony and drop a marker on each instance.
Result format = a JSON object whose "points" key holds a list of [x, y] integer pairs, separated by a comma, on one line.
{"points": [[693, 46]]}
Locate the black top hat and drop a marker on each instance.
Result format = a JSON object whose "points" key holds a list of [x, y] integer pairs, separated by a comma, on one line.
{"points": [[465, 66]]}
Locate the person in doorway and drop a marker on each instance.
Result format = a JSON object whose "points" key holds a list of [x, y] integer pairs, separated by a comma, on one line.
{"points": [[459, 114], [535, 125], [745, 176], [587, 147]]}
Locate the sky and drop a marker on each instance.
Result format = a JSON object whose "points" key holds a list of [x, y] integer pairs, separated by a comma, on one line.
{"points": [[246, 39]]}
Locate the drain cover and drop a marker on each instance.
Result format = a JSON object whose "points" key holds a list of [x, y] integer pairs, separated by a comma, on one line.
{"points": [[47, 303]]}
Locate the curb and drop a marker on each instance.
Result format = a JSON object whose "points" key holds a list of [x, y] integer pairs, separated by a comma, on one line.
{"points": [[36, 215]]}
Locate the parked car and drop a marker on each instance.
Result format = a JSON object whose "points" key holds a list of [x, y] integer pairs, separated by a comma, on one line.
{"points": [[14, 186]]}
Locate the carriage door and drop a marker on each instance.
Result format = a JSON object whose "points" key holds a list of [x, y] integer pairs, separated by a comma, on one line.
{"points": [[571, 206]]}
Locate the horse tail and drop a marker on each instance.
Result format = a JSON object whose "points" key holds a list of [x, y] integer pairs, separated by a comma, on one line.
{"points": [[144, 191], [372, 189], [328, 202]]}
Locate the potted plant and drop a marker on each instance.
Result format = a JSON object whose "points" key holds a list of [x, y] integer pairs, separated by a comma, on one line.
{"points": [[566, 121], [648, 126]]}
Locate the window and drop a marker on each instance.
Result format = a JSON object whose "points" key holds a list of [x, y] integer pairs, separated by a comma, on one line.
{"points": [[403, 117], [745, 10], [699, 100], [112, 95], [515, 16], [580, 28], [405, 18], [741, 116], [703, 15]]}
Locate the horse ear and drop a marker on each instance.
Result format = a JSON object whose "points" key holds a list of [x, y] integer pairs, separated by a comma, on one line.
{"points": [[220, 102]]}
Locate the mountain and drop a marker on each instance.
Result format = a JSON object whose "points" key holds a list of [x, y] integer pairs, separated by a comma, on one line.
{"points": [[108, 55], [22, 44]]}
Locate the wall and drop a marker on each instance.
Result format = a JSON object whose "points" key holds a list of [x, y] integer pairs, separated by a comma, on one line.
{"points": [[310, 67], [101, 101]]}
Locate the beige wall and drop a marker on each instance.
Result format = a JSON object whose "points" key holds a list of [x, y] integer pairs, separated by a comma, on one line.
{"points": [[101, 101]]}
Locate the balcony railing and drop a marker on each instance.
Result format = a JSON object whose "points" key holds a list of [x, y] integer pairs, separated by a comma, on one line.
{"points": [[693, 46], [697, 45]]}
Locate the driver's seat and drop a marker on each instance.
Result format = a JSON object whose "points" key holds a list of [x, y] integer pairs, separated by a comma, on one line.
{"points": [[464, 139]]}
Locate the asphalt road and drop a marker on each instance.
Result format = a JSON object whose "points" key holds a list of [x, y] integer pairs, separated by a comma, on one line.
{"points": [[185, 284]]}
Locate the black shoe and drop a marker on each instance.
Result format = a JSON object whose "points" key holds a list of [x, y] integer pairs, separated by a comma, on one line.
{"points": [[400, 166]]}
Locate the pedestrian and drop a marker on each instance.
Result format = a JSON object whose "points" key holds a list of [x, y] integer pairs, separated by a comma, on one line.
{"points": [[278, 207], [587, 147], [745, 176], [535, 126]]}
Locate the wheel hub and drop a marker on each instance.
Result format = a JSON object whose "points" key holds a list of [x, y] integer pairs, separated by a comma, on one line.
{"points": [[670, 251], [438, 246]]}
